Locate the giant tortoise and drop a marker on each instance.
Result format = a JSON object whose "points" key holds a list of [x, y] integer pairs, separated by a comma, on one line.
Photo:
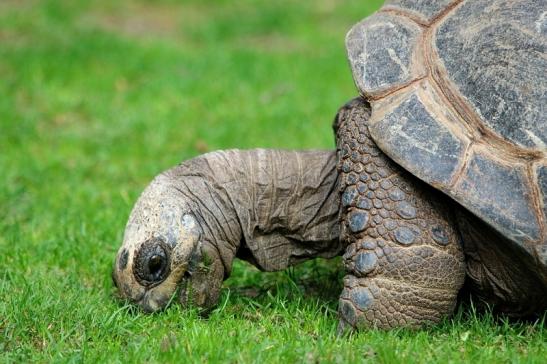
{"points": [[438, 181]]}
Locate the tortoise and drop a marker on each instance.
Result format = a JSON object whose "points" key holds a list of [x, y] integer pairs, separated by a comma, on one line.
{"points": [[438, 181]]}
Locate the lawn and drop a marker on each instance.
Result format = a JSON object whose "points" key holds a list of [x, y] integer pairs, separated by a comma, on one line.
{"points": [[97, 97]]}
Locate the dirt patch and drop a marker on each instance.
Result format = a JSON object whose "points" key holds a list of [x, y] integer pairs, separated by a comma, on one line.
{"points": [[144, 20], [16, 4], [271, 43]]}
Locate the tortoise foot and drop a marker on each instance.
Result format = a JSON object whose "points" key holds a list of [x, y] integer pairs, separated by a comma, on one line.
{"points": [[390, 286]]}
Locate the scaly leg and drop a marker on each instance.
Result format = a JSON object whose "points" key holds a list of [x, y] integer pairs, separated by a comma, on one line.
{"points": [[404, 258]]}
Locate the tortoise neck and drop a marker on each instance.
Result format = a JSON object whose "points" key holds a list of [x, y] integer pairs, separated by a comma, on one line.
{"points": [[273, 208]]}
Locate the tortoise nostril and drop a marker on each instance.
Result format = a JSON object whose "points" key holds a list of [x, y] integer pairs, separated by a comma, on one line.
{"points": [[114, 278], [122, 261]]}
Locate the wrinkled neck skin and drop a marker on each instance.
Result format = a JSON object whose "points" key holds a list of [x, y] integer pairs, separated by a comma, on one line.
{"points": [[272, 208]]}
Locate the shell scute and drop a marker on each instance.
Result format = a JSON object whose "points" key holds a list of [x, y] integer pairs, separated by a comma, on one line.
{"points": [[382, 51]]}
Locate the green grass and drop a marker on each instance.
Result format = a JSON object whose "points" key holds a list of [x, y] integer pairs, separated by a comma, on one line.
{"points": [[97, 97]]}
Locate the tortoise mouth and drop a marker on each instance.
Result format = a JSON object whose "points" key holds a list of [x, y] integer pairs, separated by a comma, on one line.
{"points": [[157, 298], [147, 305], [151, 301]]}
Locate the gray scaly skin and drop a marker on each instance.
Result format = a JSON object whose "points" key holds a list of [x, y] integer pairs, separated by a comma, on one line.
{"points": [[404, 260], [278, 208]]}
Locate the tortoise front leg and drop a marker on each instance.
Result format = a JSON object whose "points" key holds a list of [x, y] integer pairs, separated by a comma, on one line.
{"points": [[201, 287], [404, 259]]}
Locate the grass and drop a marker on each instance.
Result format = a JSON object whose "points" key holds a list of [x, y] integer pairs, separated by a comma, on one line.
{"points": [[97, 97]]}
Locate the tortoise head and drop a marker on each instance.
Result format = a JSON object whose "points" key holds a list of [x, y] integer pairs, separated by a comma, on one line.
{"points": [[160, 239]]}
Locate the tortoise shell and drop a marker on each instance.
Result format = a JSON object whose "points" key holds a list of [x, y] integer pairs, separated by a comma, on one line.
{"points": [[458, 91]]}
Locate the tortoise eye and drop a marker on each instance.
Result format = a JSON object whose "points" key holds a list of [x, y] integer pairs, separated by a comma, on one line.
{"points": [[152, 262], [156, 264]]}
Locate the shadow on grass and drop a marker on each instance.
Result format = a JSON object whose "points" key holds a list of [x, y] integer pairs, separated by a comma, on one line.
{"points": [[318, 279], [313, 288]]}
